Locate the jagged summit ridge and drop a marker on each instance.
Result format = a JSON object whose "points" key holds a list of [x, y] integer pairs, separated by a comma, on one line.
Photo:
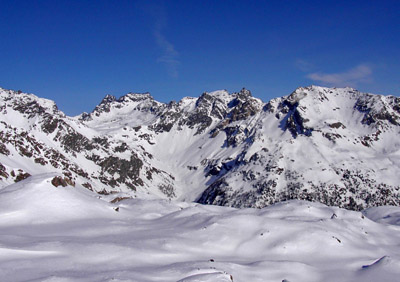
{"points": [[198, 112], [338, 146], [28, 104]]}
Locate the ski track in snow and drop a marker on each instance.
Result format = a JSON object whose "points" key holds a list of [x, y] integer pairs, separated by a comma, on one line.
{"points": [[71, 234]]}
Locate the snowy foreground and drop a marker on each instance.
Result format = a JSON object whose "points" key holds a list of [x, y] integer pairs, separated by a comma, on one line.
{"points": [[70, 234]]}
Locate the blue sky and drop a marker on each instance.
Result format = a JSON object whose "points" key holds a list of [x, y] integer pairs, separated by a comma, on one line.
{"points": [[76, 52]]}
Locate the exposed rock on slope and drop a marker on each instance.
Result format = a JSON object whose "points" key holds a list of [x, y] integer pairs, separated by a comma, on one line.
{"points": [[35, 137], [336, 146]]}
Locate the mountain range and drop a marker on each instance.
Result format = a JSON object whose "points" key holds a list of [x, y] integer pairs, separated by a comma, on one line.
{"points": [[337, 146]]}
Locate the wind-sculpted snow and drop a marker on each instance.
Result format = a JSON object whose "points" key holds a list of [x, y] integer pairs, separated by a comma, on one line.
{"points": [[336, 146], [71, 234]]}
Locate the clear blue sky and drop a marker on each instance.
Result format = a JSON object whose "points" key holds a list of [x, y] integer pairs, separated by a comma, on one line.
{"points": [[76, 52]]}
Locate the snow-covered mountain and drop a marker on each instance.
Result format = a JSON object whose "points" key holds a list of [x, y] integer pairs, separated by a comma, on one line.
{"points": [[337, 146]]}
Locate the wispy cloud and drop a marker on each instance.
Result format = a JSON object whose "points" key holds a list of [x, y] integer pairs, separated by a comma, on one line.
{"points": [[304, 65], [169, 56], [359, 74]]}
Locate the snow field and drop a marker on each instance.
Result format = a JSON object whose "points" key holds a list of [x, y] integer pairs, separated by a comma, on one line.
{"points": [[70, 234]]}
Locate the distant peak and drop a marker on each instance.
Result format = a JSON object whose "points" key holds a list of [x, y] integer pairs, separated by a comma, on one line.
{"points": [[138, 94], [323, 89], [108, 99], [216, 93], [245, 92], [135, 97]]}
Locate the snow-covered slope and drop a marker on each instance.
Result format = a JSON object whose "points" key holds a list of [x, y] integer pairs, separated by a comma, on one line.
{"points": [[37, 138], [68, 233], [337, 146]]}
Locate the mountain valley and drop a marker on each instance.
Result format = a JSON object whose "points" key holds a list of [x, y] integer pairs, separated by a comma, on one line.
{"points": [[336, 146]]}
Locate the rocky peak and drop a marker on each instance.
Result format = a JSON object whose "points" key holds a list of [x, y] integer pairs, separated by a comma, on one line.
{"points": [[136, 97], [108, 99], [28, 104], [104, 106], [244, 93], [379, 111], [206, 101], [129, 102], [85, 116]]}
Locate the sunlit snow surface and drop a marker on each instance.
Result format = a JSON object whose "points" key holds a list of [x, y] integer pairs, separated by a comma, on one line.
{"points": [[70, 234]]}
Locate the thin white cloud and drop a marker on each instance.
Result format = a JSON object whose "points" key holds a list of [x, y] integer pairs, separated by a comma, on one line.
{"points": [[169, 55], [304, 65], [359, 74]]}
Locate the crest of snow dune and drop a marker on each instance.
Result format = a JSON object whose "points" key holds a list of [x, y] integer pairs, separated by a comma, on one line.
{"points": [[68, 233]]}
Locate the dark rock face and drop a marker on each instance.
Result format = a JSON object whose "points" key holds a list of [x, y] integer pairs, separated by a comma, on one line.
{"points": [[119, 199], [3, 172], [3, 148], [126, 170], [21, 176], [377, 115], [27, 105], [337, 125], [76, 142], [50, 124], [62, 181], [355, 194], [201, 119], [243, 106], [105, 104], [168, 190], [293, 121], [216, 194]]}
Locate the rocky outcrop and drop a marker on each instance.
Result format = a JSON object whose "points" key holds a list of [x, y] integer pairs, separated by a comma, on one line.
{"points": [[62, 181]]}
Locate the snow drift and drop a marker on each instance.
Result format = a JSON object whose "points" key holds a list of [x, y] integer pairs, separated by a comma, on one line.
{"points": [[69, 234]]}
